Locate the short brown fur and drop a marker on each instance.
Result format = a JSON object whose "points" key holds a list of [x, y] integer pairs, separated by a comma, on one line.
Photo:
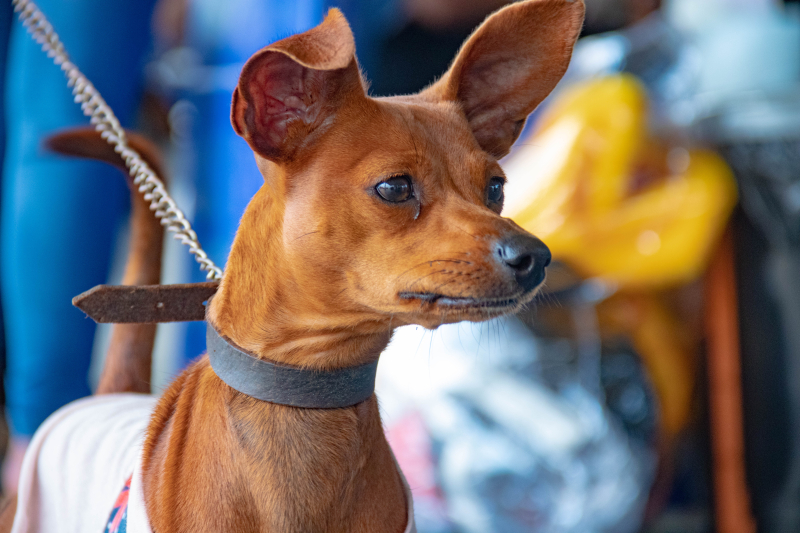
{"points": [[322, 269]]}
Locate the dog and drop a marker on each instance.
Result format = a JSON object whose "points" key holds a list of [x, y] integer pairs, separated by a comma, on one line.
{"points": [[374, 213]]}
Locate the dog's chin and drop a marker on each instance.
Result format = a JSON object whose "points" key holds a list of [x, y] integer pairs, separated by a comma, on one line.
{"points": [[431, 309]]}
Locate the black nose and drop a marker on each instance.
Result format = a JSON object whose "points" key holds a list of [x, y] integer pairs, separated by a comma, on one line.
{"points": [[527, 256]]}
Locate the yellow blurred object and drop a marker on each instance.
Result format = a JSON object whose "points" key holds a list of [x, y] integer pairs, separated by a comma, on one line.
{"points": [[609, 200], [664, 347], [614, 203]]}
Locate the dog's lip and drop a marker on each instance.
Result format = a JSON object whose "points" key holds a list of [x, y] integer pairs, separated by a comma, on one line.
{"points": [[462, 302]]}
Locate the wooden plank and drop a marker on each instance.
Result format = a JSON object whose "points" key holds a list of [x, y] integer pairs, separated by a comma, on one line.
{"points": [[731, 497]]}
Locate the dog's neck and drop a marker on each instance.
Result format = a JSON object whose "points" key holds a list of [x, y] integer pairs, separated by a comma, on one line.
{"points": [[268, 311], [269, 468], [316, 470]]}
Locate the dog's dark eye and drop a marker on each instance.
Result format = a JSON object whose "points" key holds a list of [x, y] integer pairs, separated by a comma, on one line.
{"points": [[494, 192], [396, 189]]}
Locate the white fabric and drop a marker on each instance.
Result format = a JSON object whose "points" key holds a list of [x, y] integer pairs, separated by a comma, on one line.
{"points": [[137, 513], [79, 460]]}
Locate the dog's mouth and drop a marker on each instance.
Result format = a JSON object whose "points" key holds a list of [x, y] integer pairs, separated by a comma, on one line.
{"points": [[459, 303]]}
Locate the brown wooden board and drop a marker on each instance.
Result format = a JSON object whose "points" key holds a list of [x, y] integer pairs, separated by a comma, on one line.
{"points": [[146, 304]]}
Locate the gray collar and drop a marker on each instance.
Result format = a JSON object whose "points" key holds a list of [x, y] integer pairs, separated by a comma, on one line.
{"points": [[288, 385]]}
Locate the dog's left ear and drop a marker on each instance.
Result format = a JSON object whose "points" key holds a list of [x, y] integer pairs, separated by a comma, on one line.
{"points": [[292, 88], [509, 65]]}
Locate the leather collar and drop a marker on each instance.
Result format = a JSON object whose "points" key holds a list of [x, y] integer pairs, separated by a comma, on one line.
{"points": [[288, 385]]}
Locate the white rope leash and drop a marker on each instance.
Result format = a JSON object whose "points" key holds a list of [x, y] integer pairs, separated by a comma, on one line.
{"points": [[105, 122]]}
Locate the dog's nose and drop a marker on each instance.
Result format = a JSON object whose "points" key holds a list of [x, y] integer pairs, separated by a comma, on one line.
{"points": [[527, 256]]}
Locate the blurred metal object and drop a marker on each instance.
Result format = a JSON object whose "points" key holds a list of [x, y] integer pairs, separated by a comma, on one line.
{"points": [[668, 348], [727, 73], [748, 105], [518, 442], [768, 172], [104, 121], [753, 118]]}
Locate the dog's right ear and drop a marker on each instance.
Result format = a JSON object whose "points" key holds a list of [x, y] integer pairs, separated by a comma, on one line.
{"points": [[508, 66], [292, 87]]}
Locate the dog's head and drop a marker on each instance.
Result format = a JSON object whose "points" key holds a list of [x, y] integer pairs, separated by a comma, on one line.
{"points": [[389, 208]]}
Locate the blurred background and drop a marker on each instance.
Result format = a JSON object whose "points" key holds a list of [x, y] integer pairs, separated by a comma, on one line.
{"points": [[655, 384]]}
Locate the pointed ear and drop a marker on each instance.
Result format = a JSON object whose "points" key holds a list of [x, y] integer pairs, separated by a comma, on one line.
{"points": [[292, 87], [509, 65]]}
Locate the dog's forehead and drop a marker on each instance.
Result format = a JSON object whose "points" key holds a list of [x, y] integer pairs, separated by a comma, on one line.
{"points": [[435, 121], [432, 131], [378, 137]]}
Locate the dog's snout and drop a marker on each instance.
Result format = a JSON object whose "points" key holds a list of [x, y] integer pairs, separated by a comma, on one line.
{"points": [[527, 256]]}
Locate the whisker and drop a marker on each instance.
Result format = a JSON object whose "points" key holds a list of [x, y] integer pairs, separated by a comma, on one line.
{"points": [[430, 262], [436, 289], [468, 233], [306, 234], [426, 276]]}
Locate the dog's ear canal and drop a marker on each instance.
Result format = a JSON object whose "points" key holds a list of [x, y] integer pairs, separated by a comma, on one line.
{"points": [[509, 65], [293, 87]]}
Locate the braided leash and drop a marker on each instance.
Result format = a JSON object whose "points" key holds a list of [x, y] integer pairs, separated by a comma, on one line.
{"points": [[105, 122]]}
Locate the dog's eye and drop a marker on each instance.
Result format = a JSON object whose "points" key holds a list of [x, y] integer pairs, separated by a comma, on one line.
{"points": [[396, 189], [494, 192]]}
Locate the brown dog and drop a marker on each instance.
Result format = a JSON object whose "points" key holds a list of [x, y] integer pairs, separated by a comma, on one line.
{"points": [[374, 213]]}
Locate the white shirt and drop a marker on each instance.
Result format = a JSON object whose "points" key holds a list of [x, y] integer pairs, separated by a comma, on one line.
{"points": [[79, 460]]}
